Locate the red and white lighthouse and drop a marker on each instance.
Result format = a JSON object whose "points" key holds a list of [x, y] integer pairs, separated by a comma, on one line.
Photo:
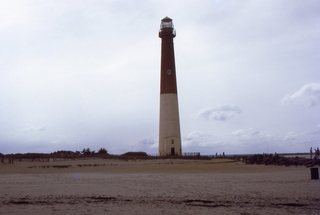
{"points": [[169, 129]]}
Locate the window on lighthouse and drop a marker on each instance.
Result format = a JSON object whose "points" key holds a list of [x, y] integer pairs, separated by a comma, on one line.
{"points": [[169, 72], [166, 25]]}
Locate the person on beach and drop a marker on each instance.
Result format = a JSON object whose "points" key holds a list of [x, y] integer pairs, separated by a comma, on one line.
{"points": [[317, 153]]}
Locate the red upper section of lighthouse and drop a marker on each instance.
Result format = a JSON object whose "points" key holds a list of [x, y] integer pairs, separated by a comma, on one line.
{"points": [[168, 69]]}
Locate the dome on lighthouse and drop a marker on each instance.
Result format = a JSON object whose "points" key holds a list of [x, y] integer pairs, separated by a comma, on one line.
{"points": [[166, 23]]}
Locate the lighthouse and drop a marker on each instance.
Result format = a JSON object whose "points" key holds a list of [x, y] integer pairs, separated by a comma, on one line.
{"points": [[169, 126]]}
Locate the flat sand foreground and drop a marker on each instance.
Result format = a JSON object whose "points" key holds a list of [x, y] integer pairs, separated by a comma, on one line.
{"points": [[105, 186]]}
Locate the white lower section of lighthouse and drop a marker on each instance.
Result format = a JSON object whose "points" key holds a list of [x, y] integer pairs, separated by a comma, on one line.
{"points": [[169, 132]]}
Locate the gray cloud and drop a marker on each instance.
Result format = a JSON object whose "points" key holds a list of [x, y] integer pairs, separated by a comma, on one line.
{"points": [[148, 142], [197, 138], [204, 142], [291, 136], [308, 95], [247, 133], [220, 113], [263, 141], [252, 140]]}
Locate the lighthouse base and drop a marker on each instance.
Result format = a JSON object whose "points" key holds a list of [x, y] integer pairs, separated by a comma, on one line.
{"points": [[169, 133]]}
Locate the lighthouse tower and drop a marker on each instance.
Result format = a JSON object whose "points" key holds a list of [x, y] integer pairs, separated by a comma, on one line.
{"points": [[169, 129]]}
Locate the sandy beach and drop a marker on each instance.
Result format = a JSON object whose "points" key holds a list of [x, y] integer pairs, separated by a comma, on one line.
{"points": [[107, 186]]}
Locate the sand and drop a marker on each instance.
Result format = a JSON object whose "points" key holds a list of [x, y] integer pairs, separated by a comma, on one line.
{"points": [[102, 186]]}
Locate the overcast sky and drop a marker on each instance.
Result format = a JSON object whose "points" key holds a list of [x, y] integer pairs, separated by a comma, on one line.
{"points": [[86, 73]]}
